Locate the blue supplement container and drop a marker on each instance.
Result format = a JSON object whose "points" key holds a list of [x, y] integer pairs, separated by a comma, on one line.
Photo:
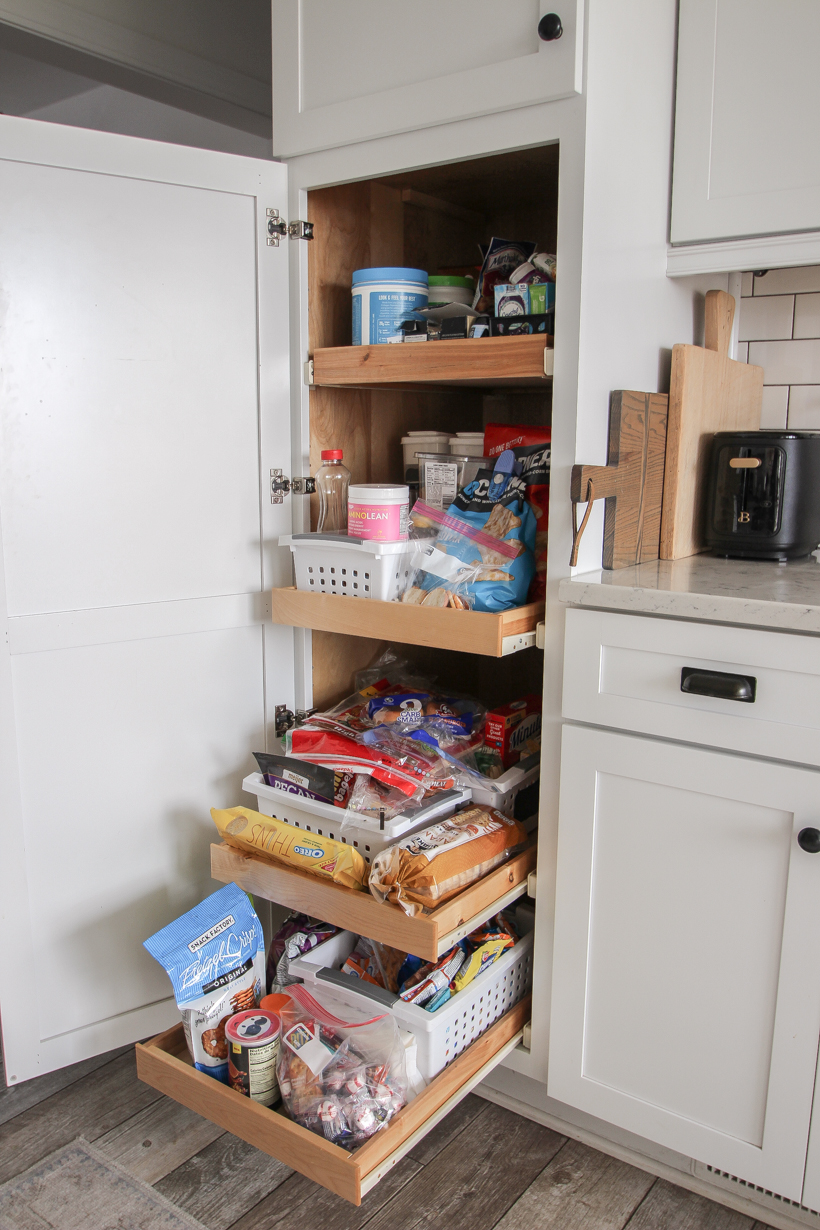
{"points": [[382, 298]]}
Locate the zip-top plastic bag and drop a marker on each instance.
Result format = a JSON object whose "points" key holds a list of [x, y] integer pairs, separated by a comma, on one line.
{"points": [[343, 1077], [215, 958]]}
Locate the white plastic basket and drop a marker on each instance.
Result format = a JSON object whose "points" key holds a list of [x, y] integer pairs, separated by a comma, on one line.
{"points": [[352, 567], [510, 784], [440, 1035], [363, 832]]}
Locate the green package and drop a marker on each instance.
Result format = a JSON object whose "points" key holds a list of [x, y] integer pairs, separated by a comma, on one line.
{"points": [[538, 297]]}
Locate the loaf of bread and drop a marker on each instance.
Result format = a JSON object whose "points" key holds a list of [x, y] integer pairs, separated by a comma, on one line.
{"points": [[427, 868]]}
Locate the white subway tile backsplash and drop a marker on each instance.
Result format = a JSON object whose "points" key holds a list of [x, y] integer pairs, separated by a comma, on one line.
{"points": [[806, 315], [787, 362], [804, 407], [747, 284], [788, 281], [743, 352], [766, 319], [775, 405]]}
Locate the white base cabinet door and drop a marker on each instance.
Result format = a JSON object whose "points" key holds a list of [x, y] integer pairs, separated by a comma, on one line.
{"points": [[685, 1001]]}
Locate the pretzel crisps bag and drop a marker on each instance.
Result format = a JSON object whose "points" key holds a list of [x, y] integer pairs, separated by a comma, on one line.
{"points": [[215, 958], [321, 856], [426, 868]]}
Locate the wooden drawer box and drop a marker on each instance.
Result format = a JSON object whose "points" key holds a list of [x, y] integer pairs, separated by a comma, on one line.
{"points": [[625, 671], [164, 1064], [427, 936]]}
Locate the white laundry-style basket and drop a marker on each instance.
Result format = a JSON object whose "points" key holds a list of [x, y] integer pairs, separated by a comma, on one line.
{"points": [[440, 1035], [352, 567], [364, 832], [509, 785]]}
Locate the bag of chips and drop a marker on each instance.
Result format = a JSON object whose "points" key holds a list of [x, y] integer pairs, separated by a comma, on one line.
{"points": [[215, 958]]}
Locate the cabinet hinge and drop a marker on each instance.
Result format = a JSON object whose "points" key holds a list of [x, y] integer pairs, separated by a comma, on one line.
{"points": [[278, 227], [280, 486], [285, 719], [309, 372], [532, 884]]}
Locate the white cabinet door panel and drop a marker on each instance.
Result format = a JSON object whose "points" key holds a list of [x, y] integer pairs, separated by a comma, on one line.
{"points": [[351, 72], [146, 394], [746, 120], [681, 1009]]}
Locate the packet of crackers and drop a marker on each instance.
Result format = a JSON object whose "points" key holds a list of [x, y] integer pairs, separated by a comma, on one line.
{"points": [[427, 868], [215, 958], [321, 856]]}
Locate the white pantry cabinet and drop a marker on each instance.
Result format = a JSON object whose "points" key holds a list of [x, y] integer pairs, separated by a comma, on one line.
{"points": [[686, 1003], [747, 120], [145, 388], [350, 72]]}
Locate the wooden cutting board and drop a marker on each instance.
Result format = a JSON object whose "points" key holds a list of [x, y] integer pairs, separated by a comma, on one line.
{"points": [[631, 482], [708, 392]]}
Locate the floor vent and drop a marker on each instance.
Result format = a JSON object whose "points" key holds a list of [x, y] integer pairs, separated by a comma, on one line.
{"points": [[761, 1195]]}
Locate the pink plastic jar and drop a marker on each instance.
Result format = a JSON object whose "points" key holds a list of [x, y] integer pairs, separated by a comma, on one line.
{"points": [[378, 511]]}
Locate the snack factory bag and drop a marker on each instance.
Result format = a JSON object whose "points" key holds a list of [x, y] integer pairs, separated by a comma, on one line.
{"points": [[321, 856], [426, 868], [341, 1077], [215, 958], [532, 450]]}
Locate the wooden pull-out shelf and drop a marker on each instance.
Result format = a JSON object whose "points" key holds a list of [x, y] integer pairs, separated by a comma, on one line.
{"points": [[465, 362], [427, 935], [492, 635], [164, 1064]]}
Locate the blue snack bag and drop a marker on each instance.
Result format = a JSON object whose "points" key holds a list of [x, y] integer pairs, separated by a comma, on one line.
{"points": [[215, 958]]}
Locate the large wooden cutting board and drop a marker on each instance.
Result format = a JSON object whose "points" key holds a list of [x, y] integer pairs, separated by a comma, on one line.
{"points": [[708, 392], [632, 480]]}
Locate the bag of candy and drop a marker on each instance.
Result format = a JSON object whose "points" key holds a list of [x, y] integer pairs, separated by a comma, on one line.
{"points": [[343, 1077], [298, 934], [215, 958]]}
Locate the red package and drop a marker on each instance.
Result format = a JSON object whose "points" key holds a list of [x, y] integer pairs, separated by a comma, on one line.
{"points": [[508, 728], [500, 436]]}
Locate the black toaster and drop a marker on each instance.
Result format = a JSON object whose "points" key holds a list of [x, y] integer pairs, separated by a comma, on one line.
{"points": [[764, 494]]}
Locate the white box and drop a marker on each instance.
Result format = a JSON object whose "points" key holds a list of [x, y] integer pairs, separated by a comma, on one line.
{"points": [[440, 1035]]}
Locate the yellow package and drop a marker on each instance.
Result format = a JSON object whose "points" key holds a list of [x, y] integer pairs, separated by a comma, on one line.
{"points": [[321, 856], [483, 956]]}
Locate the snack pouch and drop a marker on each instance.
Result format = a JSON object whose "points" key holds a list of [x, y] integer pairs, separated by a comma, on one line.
{"points": [[321, 856], [215, 958], [427, 868], [375, 963], [341, 1071], [532, 450], [298, 934]]}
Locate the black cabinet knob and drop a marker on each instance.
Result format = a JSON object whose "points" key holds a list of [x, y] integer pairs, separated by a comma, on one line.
{"points": [[809, 840], [550, 28]]}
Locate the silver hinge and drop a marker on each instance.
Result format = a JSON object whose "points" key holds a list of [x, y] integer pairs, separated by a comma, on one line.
{"points": [[280, 486], [309, 372], [278, 227], [285, 719]]}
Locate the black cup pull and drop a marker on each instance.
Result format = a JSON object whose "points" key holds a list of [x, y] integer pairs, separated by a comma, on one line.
{"points": [[700, 682], [550, 28], [809, 840]]}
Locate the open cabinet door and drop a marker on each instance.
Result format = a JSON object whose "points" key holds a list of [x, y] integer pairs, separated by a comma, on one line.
{"points": [[144, 351]]}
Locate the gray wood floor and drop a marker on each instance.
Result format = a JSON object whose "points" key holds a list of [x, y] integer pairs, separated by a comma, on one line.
{"points": [[481, 1168]]}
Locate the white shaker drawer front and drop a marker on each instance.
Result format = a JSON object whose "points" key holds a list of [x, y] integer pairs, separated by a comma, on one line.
{"points": [[738, 688]]}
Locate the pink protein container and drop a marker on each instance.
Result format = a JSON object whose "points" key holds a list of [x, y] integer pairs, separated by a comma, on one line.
{"points": [[378, 511]]}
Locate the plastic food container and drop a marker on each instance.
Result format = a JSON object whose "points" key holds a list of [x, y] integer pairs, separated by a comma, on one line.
{"points": [[378, 511], [422, 442], [471, 442], [440, 1035], [382, 298], [448, 288], [440, 476], [363, 832], [352, 567]]}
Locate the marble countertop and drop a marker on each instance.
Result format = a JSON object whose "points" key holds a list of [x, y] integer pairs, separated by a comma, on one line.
{"points": [[757, 592]]}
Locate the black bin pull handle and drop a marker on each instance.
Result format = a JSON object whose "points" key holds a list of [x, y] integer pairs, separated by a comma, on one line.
{"points": [[698, 681]]}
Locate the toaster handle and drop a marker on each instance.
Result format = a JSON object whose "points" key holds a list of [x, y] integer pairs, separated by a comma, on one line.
{"points": [[701, 682]]}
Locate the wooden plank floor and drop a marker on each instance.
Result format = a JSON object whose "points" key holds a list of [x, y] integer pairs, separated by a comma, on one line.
{"points": [[482, 1168]]}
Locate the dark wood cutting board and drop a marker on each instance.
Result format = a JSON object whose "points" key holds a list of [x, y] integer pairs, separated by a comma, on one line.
{"points": [[632, 480]]}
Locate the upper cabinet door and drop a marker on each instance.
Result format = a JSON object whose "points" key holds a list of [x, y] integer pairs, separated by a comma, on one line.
{"points": [[350, 72], [747, 126], [144, 338]]}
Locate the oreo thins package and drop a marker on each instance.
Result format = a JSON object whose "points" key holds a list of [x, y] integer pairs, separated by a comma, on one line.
{"points": [[215, 958]]}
